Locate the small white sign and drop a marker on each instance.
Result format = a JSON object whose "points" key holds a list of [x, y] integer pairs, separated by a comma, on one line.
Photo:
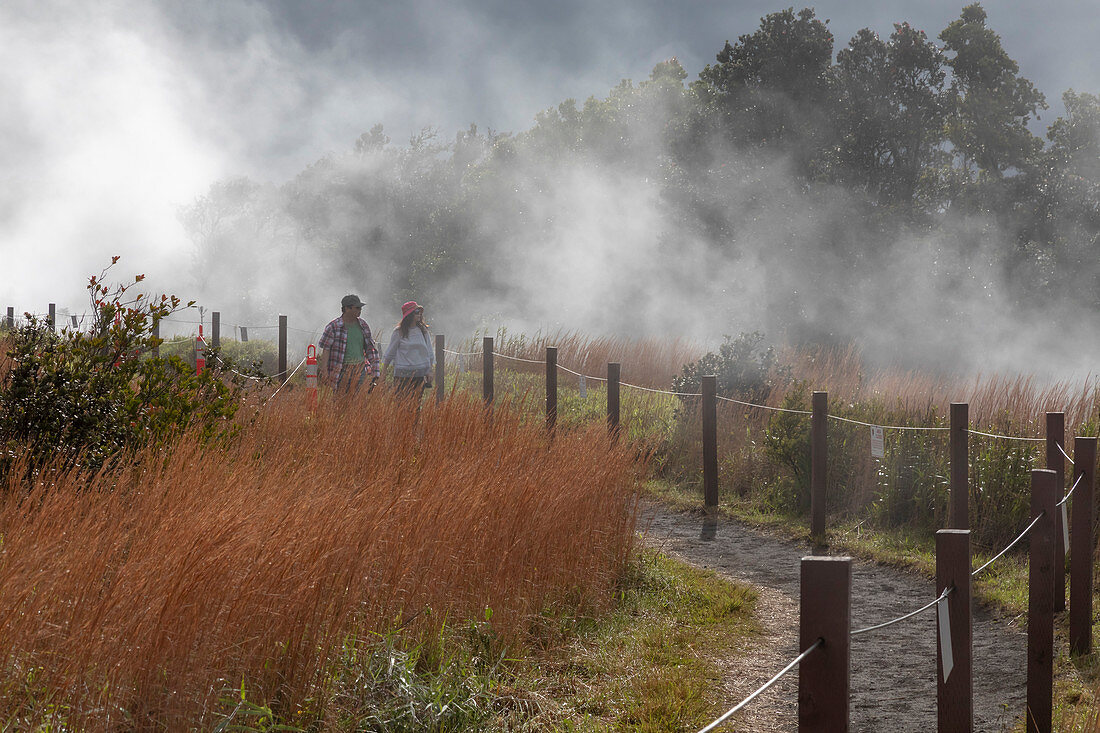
{"points": [[878, 448], [946, 654], [584, 388]]}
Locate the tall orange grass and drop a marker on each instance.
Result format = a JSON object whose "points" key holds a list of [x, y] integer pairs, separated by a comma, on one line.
{"points": [[647, 362], [135, 598]]}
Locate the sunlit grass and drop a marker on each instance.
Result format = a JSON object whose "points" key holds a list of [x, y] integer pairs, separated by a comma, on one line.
{"points": [[143, 594]]}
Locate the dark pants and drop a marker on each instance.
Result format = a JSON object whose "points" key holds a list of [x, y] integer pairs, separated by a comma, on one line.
{"points": [[351, 377], [410, 386]]}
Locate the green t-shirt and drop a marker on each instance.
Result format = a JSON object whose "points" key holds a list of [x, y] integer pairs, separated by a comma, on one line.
{"points": [[356, 348]]}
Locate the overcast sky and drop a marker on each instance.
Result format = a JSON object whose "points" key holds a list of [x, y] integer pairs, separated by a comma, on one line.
{"points": [[117, 112]]}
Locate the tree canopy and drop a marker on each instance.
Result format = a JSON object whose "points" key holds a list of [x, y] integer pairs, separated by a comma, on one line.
{"points": [[807, 164]]}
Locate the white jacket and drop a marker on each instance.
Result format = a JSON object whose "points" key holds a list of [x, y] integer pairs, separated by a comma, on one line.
{"points": [[411, 356]]}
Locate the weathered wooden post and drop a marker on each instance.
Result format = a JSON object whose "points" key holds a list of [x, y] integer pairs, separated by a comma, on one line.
{"points": [[216, 329], [282, 349], [52, 318], [613, 372], [11, 317], [959, 513], [1056, 438], [825, 613], [487, 369], [1083, 539], [818, 462], [1040, 602], [440, 370], [954, 696], [710, 441], [551, 388]]}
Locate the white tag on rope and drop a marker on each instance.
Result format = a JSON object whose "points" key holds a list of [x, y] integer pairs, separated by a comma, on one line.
{"points": [[878, 448], [583, 388], [1065, 528], [947, 657]]}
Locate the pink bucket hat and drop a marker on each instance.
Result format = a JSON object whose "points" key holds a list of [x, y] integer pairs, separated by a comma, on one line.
{"points": [[409, 307]]}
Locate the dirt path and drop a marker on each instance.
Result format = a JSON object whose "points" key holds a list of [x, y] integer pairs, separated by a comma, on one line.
{"points": [[893, 686]]}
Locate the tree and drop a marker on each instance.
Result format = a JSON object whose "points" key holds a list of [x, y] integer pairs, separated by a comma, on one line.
{"points": [[1059, 203], [992, 104], [891, 106], [770, 87]]}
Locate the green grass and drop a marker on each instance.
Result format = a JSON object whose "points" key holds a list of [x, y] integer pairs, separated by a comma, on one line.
{"points": [[645, 665]]}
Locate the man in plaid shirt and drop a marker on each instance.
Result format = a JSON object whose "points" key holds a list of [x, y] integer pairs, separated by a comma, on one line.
{"points": [[347, 349]]}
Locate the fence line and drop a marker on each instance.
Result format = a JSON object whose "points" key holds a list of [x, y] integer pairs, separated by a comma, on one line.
{"points": [[886, 427], [907, 616], [1072, 489], [794, 663], [1004, 437], [1012, 544], [1043, 486]]}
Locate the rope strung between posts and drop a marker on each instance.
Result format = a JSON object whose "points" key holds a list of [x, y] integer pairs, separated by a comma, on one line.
{"points": [[303, 361], [1063, 452], [884, 427], [516, 358], [1012, 544], [765, 407], [1070, 493], [225, 365], [661, 391], [578, 374], [1003, 437], [909, 615], [765, 686]]}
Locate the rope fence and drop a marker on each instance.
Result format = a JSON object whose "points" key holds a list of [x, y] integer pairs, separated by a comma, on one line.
{"points": [[1046, 485], [905, 617], [763, 688]]}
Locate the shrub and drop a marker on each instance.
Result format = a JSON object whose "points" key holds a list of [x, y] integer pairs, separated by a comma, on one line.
{"points": [[90, 396], [744, 369]]}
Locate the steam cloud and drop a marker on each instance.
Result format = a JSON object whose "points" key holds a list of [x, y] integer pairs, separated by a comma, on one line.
{"points": [[119, 115]]}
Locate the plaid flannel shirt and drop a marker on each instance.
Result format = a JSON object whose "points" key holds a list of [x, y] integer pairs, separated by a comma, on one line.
{"points": [[335, 342]]}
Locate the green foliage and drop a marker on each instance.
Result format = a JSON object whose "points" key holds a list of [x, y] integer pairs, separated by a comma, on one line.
{"points": [[92, 396], [787, 444], [744, 368], [994, 104]]}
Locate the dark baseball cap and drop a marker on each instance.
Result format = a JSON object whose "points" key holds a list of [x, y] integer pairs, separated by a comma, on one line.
{"points": [[351, 301]]}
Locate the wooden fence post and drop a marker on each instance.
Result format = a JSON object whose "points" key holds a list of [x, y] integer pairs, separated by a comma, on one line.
{"points": [[440, 370], [1040, 602], [710, 441], [52, 318], [487, 369], [11, 317], [818, 464], [614, 370], [954, 696], [959, 512], [215, 329], [825, 613], [551, 388], [1083, 539], [1056, 436], [282, 349]]}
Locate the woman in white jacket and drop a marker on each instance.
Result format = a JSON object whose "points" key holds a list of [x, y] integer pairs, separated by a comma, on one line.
{"points": [[410, 351]]}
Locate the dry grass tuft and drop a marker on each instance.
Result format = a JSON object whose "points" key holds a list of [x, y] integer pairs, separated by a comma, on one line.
{"points": [[135, 598]]}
